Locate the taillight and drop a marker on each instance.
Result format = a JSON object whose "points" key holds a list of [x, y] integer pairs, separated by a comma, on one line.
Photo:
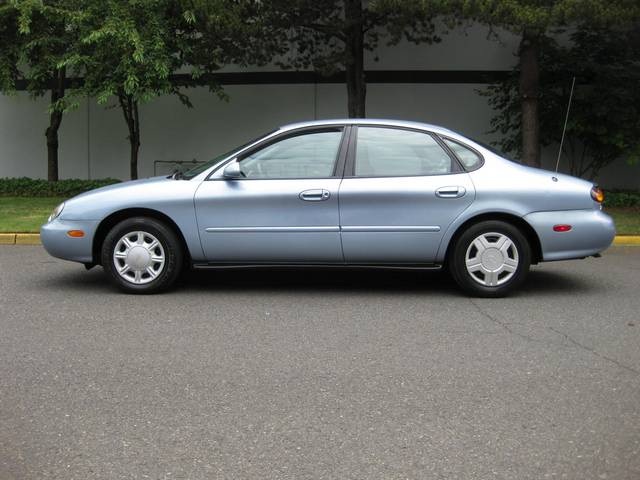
{"points": [[597, 194]]}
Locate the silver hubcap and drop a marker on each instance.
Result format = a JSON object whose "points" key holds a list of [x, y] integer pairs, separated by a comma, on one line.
{"points": [[492, 259], [138, 257]]}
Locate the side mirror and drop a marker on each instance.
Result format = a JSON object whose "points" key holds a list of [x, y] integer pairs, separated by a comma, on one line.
{"points": [[232, 170]]}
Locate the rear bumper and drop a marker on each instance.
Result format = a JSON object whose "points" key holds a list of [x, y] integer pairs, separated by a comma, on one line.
{"points": [[55, 240], [592, 232]]}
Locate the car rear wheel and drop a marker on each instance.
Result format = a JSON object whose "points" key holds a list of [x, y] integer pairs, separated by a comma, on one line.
{"points": [[142, 255], [490, 259]]}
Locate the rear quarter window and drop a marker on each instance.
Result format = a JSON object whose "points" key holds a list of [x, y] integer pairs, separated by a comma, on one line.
{"points": [[470, 159]]}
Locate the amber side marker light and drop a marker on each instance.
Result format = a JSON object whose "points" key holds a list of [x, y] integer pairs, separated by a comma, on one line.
{"points": [[597, 194], [75, 233], [561, 228]]}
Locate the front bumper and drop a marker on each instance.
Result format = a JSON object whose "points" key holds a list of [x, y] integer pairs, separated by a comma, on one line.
{"points": [[55, 240], [592, 231]]}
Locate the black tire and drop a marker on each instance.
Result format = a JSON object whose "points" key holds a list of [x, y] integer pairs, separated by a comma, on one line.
{"points": [[170, 249], [487, 279]]}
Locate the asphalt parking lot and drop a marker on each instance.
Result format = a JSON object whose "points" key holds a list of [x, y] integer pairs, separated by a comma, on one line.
{"points": [[319, 374]]}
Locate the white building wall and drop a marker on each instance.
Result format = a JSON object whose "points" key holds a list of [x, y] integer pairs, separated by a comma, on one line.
{"points": [[23, 148], [93, 139], [171, 131]]}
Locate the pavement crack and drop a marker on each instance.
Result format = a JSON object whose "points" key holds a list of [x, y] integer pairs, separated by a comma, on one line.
{"points": [[504, 325], [567, 338], [593, 351]]}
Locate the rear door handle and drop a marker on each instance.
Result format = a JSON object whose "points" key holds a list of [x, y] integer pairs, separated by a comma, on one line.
{"points": [[315, 195], [450, 192]]}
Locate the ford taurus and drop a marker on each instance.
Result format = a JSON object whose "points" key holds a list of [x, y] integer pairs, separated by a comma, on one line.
{"points": [[342, 192]]}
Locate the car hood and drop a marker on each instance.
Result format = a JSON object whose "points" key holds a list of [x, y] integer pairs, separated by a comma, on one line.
{"points": [[159, 193], [124, 186]]}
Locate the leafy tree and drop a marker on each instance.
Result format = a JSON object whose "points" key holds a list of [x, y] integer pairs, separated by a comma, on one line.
{"points": [[604, 120], [36, 35], [229, 32], [533, 20], [333, 35], [9, 48], [128, 50]]}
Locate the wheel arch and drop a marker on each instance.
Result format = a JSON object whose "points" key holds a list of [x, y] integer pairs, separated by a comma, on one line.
{"points": [[527, 230], [116, 217]]}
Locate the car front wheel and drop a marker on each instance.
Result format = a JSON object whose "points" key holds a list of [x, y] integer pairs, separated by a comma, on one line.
{"points": [[490, 259], [142, 255]]}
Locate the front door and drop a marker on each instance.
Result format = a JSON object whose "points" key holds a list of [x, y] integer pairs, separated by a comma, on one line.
{"points": [[403, 189], [284, 209]]}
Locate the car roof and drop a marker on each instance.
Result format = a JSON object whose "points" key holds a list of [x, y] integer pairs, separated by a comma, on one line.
{"points": [[367, 121]]}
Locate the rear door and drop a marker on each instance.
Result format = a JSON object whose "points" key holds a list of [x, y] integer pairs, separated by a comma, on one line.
{"points": [[401, 190]]}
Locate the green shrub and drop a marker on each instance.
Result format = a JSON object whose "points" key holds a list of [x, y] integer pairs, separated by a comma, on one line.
{"points": [[622, 198], [29, 187]]}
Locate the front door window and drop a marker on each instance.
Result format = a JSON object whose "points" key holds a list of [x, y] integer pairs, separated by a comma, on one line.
{"points": [[310, 155]]}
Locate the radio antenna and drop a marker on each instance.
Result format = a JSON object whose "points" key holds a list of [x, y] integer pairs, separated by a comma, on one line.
{"points": [[566, 119]]}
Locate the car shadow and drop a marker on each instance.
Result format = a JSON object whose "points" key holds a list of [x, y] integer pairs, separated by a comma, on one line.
{"points": [[343, 279], [550, 282], [366, 280], [306, 280]]}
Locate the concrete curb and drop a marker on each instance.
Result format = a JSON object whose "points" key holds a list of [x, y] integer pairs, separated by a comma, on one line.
{"points": [[19, 239], [34, 239], [28, 239], [627, 240], [7, 238]]}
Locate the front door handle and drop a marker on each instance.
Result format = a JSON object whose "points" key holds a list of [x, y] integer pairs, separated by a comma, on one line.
{"points": [[451, 192], [315, 195]]}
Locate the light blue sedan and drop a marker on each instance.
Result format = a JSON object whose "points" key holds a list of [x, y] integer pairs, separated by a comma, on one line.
{"points": [[339, 192]]}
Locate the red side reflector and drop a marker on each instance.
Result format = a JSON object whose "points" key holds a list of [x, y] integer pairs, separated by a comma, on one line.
{"points": [[561, 228], [75, 233]]}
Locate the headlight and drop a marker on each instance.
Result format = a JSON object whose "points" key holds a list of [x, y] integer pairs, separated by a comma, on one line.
{"points": [[56, 212]]}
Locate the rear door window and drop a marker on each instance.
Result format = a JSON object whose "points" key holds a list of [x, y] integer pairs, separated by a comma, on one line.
{"points": [[393, 152]]}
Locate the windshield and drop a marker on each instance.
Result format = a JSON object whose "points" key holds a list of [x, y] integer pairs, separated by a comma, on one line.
{"points": [[188, 175]]}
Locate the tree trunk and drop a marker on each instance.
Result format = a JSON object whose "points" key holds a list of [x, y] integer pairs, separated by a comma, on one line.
{"points": [[529, 89], [354, 64], [129, 108], [55, 119], [135, 143]]}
